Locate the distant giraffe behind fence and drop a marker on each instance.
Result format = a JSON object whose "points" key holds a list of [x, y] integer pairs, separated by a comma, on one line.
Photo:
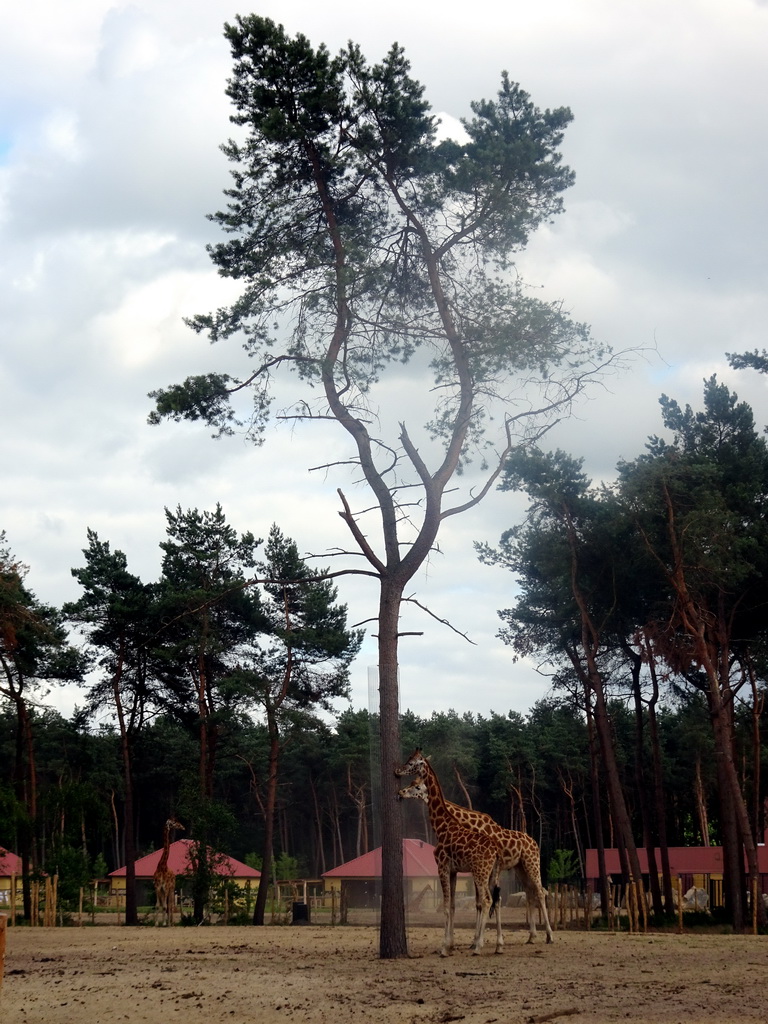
{"points": [[165, 879]]}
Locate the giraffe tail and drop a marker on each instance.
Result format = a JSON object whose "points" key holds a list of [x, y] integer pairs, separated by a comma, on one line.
{"points": [[495, 900]]}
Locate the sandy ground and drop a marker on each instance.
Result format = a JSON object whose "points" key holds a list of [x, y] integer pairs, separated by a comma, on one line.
{"points": [[307, 974]]}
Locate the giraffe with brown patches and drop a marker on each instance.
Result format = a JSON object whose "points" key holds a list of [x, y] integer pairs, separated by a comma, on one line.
{"points": [[460, 848], [165, 879], [518, 851]]}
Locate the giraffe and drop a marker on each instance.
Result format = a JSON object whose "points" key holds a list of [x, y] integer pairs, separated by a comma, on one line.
{"points": [[518, 850], [463, 849], [165, 879]]}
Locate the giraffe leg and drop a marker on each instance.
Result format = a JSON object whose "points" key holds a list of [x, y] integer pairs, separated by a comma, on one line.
{"points": [[482, 917], [496, 909], [531, 898], [478, 914], [536, 898], [544, 914], [448, 884], [499, 935]]}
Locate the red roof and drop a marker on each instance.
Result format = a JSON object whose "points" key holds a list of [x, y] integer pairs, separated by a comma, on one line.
{"points": [[10, 863], [418, 861], [683, 860], [180, 864]]}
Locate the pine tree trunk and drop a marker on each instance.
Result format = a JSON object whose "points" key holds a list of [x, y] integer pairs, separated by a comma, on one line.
{"points": [[131, 908], [27, 781], [616, 799], [319, 858], [701, 804], [597, 812], [392, 937], [649, 833], [658, 790], [269, 827]]}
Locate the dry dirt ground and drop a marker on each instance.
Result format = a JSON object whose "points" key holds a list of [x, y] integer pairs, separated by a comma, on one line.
{"points": [[307, 974]]}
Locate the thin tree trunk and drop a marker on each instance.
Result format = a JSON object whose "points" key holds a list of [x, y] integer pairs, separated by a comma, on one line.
{"points": [[22, 796], [658, 790], [567, 788], [357, 795], [29, 788], [597, 812], [462, 787], [619, 811], [590, 642], [758, 704], [730, 799], [320, 867], [649, 833], [269, 823], [131, 907], [701, 803], [392, 936]]}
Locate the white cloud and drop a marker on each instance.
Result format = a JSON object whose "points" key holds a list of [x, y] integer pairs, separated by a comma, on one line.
{"points": [[109, 162]]}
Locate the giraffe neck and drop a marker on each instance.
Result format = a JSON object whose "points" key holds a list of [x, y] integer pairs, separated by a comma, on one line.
{"points": [[438, 812], [166, 849]]}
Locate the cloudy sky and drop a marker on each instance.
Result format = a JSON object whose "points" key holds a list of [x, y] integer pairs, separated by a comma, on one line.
{"points": [[111, 115]]}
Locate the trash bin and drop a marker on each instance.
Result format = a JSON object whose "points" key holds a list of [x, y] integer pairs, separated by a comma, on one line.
{"points": [[300, 914]]}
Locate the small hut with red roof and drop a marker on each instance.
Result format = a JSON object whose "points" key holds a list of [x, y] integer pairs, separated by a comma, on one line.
{"points": [[359, 880], [10, 869], [180, 862]]}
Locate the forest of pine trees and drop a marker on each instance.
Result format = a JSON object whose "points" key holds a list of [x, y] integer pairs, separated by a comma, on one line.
{"points": [[213, 693], [529, 772]]}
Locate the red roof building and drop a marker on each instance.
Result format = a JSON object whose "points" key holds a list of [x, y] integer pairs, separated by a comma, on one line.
{"points": [[418, 862], [10, 863], [179, 862], [359, 880], [701, 866]]}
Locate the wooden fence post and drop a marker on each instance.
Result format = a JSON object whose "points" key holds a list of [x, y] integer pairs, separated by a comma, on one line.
{"points": [[588, 907], [48, 901], [555, 893], [563, 905], [754, 906], [630, 894], [3, 923], [679, 905], [643, 904]]}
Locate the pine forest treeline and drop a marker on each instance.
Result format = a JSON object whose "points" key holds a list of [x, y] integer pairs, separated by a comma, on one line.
{"points": [[214, 693], [529, 772]]}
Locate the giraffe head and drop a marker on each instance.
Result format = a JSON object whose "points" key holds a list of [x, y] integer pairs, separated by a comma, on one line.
{"points": [[172, 823], [416, 791], [417, 764]]}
